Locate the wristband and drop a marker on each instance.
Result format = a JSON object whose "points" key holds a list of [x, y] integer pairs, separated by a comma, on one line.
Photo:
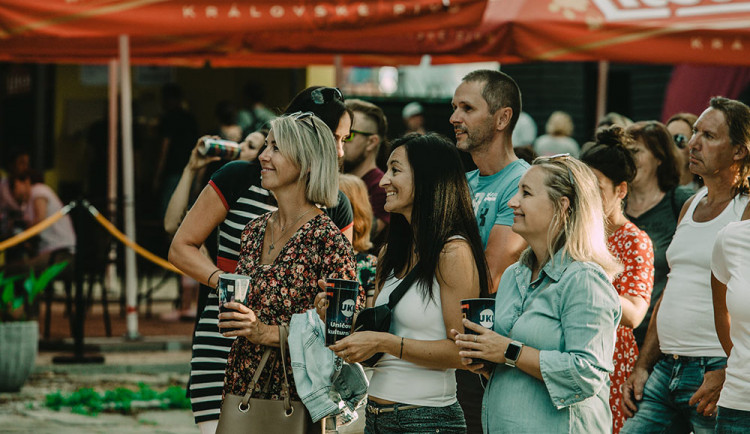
{"points": [[212, 275]]}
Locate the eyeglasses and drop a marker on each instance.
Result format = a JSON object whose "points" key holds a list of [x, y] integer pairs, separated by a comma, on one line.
{"points": [[680, 140], [354, 133], [324, 95]]}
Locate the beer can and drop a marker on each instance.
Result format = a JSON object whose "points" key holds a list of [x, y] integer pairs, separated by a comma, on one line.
{"points": [[225, 149]]}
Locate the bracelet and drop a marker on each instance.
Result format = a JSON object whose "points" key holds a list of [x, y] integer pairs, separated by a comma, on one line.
{"points": [[401, 353], [212, 275]]}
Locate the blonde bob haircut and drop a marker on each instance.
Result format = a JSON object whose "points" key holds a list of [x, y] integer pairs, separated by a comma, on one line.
{"points": [[580, 229], [307, 141]]}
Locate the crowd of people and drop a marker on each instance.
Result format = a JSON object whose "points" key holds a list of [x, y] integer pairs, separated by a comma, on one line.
{"points": [[618, 267], [599, 260]]}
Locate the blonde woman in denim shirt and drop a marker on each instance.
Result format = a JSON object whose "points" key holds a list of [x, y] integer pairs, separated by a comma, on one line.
{"points": [[549, 354]]}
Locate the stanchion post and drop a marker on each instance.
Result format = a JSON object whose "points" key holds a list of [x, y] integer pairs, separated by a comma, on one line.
{"points": [[78, 213]]}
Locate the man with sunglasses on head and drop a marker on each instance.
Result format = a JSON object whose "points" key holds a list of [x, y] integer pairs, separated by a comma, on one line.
{"points": [[364, 145], [486, 107]]}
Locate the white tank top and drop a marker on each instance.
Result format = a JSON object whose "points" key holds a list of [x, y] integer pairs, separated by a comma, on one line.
{"points": [[685, 321], [397, 380]]}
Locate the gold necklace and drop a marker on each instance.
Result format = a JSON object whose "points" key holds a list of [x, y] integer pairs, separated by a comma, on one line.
{"points": [[284, 228]]}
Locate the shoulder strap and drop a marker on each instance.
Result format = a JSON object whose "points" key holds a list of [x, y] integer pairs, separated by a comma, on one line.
{"points": [[402, 287], [285, 390], [673, 201], [256, 377]]}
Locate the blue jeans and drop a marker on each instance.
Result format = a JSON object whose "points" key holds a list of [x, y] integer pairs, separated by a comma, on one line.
{"points": [[731, 421], [419, 420], [665, 408]]}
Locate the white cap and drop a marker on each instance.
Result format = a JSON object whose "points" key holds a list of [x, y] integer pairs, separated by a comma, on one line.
{"points": [[412, 109]]}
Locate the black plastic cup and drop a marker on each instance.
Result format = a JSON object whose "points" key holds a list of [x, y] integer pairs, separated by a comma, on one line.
{"points": [[342, 302], [480, 311], [232, 287]]}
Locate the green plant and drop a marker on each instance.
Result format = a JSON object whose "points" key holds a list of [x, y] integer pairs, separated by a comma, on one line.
{"points": [[15, 299], [123, 400]]}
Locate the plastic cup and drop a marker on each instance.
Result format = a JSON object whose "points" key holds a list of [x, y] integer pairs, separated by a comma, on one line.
{"points": [[480, 311], [342, 302], [232, 287]]}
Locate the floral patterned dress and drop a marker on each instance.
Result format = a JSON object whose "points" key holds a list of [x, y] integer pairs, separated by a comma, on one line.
{"points": [[633, 248], [288, 286]]}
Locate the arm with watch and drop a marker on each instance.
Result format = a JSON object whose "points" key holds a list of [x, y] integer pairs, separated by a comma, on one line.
{"points": [[494, 347], [563, 335]]}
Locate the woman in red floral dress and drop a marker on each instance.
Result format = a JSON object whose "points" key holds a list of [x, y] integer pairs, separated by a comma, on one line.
{"points": [[285, 252], [614, 167]]}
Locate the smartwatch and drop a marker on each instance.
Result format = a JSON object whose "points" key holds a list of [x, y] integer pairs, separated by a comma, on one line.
{"points": [[512, 353]]}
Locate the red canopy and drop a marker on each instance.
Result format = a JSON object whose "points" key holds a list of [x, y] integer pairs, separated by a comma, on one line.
{"points": [[227, 33], [299, 32]]}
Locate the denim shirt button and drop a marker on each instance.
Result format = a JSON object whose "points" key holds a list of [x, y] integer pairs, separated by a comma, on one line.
{"points": [[562, 400], [578, 396]]}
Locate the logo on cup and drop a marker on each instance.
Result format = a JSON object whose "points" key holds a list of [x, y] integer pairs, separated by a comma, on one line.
{"points": [[487, 318], [347, 308]]}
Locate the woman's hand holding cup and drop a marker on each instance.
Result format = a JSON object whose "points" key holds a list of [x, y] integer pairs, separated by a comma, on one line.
{"points": [[321, 300], [485, 344], [244, 320]]}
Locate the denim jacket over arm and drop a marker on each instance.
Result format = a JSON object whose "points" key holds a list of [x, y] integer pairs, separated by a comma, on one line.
{"points": [[570, 314], [319, 375]]}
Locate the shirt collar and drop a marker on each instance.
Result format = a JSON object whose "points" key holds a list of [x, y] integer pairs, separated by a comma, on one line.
{"points": [[555, 267]]}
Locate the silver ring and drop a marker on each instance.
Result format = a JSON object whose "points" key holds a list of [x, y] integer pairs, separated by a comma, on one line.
{"points": [[475, 339]]}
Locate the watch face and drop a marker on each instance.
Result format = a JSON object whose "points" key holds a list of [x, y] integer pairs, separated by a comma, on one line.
{"points": [[513, 351]]}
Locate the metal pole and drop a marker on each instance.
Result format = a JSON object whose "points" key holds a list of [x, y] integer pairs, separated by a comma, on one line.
{"points": [[128, 189], [338, 64], [111, 272], [601, 90], [78, 313]]}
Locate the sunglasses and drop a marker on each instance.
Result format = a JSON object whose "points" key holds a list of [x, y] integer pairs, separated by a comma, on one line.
{"points": [[301, 116], [324, 95], [560, 158], [354, 133], [680, 140]]}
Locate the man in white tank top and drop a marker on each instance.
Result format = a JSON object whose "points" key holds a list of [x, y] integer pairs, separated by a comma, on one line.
{"points": [[677, 379]]}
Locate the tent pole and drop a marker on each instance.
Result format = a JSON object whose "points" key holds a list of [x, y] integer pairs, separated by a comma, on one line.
{"points": [[338, 65], [111, 272], [128, 187], [601, 90]]}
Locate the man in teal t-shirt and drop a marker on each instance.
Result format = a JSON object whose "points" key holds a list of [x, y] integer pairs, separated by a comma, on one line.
{"points": [[486, 107]]}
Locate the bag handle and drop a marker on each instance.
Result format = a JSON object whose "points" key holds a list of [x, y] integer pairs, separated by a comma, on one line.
{"points": [[402, 287], [283, 335], [244, 407]]}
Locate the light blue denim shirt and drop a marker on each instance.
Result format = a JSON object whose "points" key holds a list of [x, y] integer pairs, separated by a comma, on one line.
{"points": [[323, 381], [570, 314]]}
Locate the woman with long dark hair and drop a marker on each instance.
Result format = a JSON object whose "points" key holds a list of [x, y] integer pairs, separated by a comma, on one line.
{"points": [[433, 233]]}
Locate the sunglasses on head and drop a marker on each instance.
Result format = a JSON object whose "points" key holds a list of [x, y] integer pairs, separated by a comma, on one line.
{"points": [[324, 95], [560, 158], [680, 140], [301, 116], [354, 133]]}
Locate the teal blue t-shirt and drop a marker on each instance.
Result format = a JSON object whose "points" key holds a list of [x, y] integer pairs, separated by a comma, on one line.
{"points": [[490, 196]]}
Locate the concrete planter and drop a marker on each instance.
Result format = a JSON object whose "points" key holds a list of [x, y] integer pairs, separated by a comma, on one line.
{"points": [[19, 342]]}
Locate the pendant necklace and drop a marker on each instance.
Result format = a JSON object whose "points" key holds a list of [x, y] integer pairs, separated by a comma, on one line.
{"points": [[284, 228]]}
